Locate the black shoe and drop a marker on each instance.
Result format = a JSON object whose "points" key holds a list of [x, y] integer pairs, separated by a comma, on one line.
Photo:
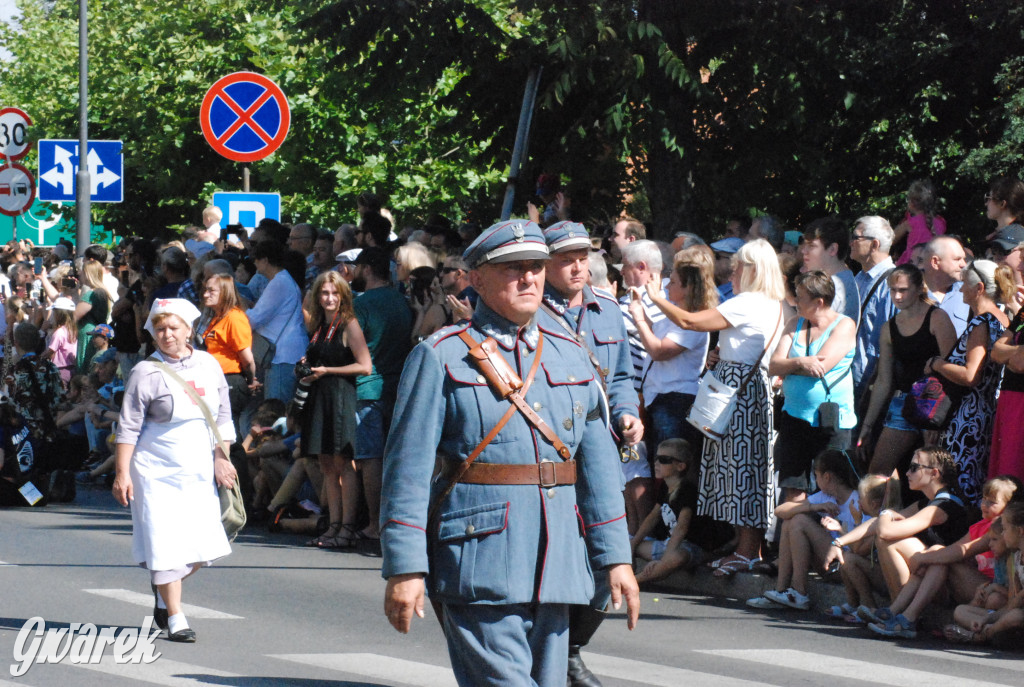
{"points": [[159, 614], [578, 675], [188, 636]]}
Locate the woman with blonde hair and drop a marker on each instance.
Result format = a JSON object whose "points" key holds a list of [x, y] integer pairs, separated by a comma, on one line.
{"points": [[93, 308], [411, 256], [337, 354], [735, 481], [227, 336]]}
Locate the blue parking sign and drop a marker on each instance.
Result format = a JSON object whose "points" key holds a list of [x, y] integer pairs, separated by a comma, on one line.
{"points": [[247, 209]]}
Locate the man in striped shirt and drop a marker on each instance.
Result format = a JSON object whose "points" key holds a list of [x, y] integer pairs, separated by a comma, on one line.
{"points": [[640, 260]]}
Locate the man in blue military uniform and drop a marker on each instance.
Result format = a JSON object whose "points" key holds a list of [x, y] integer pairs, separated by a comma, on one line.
{"points": [[527, 510], [595, 321]]}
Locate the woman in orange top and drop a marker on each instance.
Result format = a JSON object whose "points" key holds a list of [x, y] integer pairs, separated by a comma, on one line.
{"points": [[227, 336]]}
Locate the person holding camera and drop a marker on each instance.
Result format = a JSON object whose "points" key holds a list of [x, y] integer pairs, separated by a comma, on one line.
{"points": [[337, 354]]}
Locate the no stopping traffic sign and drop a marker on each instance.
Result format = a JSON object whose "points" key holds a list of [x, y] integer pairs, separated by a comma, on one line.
{"points": [[245, 116]]}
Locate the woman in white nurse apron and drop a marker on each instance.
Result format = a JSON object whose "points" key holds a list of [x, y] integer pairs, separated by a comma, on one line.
{"points": [[167, 466]]}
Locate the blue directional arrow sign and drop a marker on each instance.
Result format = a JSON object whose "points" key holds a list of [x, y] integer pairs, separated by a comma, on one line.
{"points": [[58, 164]]}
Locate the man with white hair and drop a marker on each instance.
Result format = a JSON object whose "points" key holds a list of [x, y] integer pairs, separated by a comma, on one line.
{"points": [[870, 242], [640, 260], [944, 261]]}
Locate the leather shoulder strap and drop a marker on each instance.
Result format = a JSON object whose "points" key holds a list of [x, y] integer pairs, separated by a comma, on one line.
{"points": [[166, 369], [489, 437]]}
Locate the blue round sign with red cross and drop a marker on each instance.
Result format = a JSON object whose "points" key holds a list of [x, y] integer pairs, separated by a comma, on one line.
{"points": [[245, 116]]}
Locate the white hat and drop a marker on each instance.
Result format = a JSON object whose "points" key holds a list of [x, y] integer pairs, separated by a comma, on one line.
{"points": [[348, 256], [62, 303], [176, 306]]}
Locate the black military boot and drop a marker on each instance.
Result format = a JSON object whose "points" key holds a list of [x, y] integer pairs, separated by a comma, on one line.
{"points": [[583, 623]]}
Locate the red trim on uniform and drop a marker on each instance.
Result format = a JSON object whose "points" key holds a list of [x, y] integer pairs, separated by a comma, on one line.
{"points": [[606, 522], [448, 332], [583, 525], [399, 522]]}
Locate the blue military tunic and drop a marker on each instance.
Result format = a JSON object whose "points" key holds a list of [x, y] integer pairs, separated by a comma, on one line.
{"points": [[501, 544], [599, 321]]}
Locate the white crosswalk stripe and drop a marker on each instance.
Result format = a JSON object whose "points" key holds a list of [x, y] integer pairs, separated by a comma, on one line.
{"points": [[981, 658], [146, 600], [163, 671], [4, 564], [396, 670], [838, 667], [658, 675]]}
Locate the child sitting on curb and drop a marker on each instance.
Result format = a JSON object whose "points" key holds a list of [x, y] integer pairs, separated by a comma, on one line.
{"points": [[672, 535], [956, 564], [860, 572], [988, 597], [809, 524]]}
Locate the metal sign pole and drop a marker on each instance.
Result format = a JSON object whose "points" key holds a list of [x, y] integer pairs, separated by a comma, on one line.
{"points": [[82, 197], [522, 139], [14, 228], [245, 179]]}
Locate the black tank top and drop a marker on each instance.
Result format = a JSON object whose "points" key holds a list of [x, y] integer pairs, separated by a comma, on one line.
{"points": [[910, 353]]}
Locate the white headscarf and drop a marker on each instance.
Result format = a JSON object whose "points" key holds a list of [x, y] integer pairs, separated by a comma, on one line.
{"points": [[176, 306]]}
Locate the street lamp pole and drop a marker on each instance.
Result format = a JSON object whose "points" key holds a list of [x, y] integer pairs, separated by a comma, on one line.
{"points": [[82, 182]]}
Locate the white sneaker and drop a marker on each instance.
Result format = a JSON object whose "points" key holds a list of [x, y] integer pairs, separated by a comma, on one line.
{"points": [[763, 603], [791, 598]]}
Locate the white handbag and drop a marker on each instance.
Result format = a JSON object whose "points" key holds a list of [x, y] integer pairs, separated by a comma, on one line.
{"points": [[713, 408]]}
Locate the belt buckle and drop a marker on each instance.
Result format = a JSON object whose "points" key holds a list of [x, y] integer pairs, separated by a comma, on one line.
{"points": [[540, 470]]}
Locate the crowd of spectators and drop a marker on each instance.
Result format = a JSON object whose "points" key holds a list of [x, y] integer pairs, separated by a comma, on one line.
{"points": [[825, 337]]}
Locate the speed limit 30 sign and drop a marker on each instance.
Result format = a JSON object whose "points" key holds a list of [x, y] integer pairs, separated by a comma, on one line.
{"points": [[14, 124]]}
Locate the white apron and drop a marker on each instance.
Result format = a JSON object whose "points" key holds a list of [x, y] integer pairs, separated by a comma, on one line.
{"points": [[176, 511]]}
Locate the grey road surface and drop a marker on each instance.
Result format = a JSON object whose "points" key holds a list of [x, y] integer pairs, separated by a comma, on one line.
{"points": [[276, 613]]}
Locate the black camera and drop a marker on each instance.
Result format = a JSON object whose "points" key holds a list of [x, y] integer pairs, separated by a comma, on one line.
{"points": [[302, 370]]}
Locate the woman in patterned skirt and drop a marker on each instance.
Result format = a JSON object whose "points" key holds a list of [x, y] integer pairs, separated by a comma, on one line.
{"points": [[735, 481], [971, 366]]}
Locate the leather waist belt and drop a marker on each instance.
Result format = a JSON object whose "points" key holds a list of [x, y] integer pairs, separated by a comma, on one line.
{"points": [[545, 474]]}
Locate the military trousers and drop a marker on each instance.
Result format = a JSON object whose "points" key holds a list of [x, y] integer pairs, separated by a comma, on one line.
{"points": [[511, 645]]}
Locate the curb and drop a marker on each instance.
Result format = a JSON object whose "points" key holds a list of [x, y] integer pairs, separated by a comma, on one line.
{"points": [[742, 586]]}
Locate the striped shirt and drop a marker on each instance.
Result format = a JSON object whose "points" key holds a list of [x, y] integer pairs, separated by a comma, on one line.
{"points": [[636, 348]]}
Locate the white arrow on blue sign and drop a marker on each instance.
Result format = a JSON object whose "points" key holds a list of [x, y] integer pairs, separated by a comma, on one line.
{"points": [[247, 209], [58, 164]]}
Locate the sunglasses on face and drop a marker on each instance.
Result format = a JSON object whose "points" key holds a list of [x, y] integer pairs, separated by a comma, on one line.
{"points": [[667, 460], [914, 467]]}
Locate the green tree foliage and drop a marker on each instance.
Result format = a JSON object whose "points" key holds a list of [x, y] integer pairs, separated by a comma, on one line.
{"points": [[694, 111], [152, 62]]}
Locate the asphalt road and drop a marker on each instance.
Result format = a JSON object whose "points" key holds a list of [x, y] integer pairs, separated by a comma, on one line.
{"points": [[275, 613]]}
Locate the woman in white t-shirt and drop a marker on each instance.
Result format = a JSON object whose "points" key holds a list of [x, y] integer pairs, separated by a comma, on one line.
{"points": [[736, 472], [675, 356]]}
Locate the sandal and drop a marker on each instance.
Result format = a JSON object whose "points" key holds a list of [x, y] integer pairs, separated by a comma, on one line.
{"points": [[344, 539], [739, 563], [846, 613], [318, 542]]}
